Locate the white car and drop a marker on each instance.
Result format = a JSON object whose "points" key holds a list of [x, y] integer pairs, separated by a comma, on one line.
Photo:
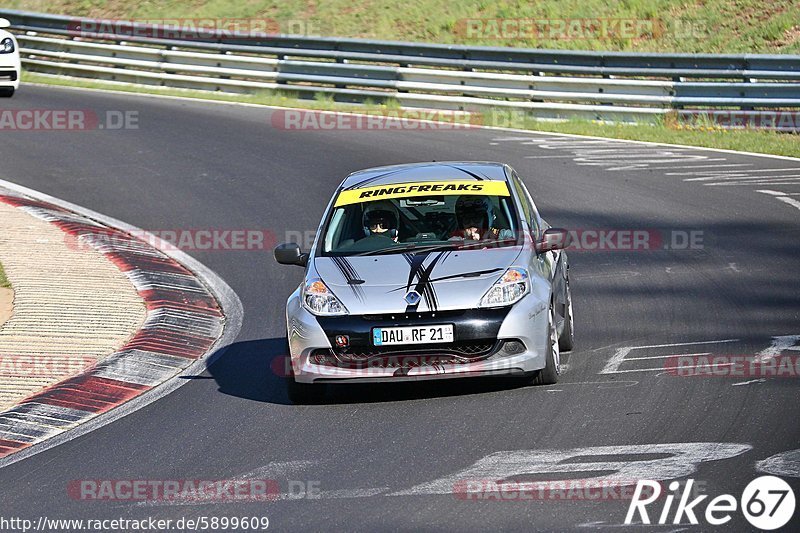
{"points": [[10, 67]]}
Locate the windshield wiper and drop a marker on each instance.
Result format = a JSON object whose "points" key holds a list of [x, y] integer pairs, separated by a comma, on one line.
{"points": [[407, 247], [389, 249], [414, 247]]}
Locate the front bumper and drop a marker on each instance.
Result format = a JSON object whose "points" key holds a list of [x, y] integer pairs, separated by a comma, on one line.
{"points": [[505, 341], [10, 70]]}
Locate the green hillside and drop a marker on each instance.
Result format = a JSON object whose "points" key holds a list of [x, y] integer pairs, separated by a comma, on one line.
{"points": [[766, 26]]}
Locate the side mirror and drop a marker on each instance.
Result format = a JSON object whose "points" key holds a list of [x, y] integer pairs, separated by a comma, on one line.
{"points": [[554, 239], [289, 253], [4, 23]]}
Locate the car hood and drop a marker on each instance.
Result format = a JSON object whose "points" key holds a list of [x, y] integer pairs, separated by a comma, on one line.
{"points": [[455, 279]]}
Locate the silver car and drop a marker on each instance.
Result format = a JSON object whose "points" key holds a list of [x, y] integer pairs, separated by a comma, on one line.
{"points": [[428, 271]]}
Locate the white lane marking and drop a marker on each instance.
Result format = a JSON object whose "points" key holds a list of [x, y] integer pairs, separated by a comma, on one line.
{"points": [[612, 159], [683, 344], [780, 344], [773, 193], [790, 201], [666, 356], [491, 471], [589, 161], [616, 155], [667, 369], [740, 177], [725, 172], [353, 493], [615, 382], [750, 180], [547, 157], [698, 166], [760, 380], [617, 149], [612, 367], [785, 464]]}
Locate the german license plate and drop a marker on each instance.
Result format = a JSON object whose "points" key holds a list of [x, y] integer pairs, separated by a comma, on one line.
{"points": [[412, 335]]}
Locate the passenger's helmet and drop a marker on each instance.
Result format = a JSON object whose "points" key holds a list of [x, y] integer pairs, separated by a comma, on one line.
{"points": [[383, 213], [474, 211]]}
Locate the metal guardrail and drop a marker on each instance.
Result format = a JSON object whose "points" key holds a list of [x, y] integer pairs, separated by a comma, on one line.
{"points": [[547, 83]]}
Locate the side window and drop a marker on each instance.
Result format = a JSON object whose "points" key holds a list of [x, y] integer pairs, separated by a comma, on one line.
{"points": [[531, 214], [523, 199]]}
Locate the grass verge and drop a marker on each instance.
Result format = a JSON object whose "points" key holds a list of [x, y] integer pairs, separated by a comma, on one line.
{"points": [[766, 142], [4, 283], [694, 26]]}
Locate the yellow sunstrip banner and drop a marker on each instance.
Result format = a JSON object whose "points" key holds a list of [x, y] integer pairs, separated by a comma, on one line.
{"points": [[427, 188]]}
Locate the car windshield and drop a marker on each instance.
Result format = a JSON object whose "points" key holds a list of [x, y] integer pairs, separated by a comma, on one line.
{"points": [[394, 223]]}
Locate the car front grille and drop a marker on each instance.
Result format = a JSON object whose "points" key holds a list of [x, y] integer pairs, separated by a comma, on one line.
{"points": [[409, 357]]}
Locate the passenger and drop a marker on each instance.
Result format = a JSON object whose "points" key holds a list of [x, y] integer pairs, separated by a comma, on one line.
{"points": [[475, 218]]}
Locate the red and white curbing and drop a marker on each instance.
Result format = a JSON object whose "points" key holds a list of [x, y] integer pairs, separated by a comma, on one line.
{"points": [[184, 321]]}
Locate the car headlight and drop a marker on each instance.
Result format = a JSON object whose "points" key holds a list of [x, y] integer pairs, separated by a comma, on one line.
{"points": [[319, 299], [510, 288], [6, 45]]}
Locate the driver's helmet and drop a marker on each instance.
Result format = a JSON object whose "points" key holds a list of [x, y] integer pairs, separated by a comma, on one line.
{"points": [[474, 211], [384, 213]]}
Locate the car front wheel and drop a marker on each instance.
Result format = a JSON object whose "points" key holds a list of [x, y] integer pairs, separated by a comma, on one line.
{"points": [[566, 341], [549, 374]]}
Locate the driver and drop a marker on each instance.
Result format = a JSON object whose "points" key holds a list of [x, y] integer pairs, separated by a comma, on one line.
{"points": [[475, 216], [381, 219]]}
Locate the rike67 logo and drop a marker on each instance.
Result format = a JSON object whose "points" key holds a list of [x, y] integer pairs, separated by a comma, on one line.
{"points": [[767, 502]]}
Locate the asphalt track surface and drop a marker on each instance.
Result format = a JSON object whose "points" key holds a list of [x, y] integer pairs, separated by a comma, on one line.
{"points": [[199, 165]]}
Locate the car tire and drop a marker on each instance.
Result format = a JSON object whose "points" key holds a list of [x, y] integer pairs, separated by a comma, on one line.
{"points": [[6, 92], [549, 374], [566, 341]]}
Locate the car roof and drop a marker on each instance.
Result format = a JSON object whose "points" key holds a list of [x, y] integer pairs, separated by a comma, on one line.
{"points": [[429, 171]]}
